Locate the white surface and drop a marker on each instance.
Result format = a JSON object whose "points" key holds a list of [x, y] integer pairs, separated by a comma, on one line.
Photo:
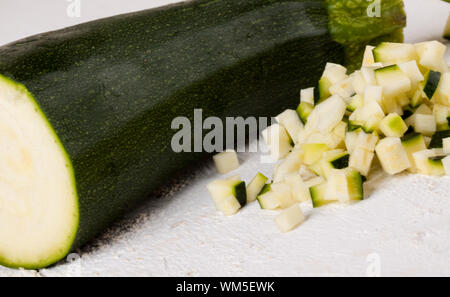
{"points": [[403, 228]]}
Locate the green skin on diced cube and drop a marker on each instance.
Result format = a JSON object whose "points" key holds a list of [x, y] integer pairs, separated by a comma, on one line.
{"points": [[341, 162], [317, 196], [324, 90], [355, 184], [397, 125], [304, 109], [265, 189], [411, 138], [432, 80], [240, 192], [436, 165], [438, 137]]}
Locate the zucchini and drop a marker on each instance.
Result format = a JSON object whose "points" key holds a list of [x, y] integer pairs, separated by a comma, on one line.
{"points": [[304, 109], [393, 126], [392, 155], [394, 53], [290, 218], [393, 81], [226, 161], [232, 187], [93, 105], [431, 83], [437, 140], [413, 143], [255, 187], [318, 195]]}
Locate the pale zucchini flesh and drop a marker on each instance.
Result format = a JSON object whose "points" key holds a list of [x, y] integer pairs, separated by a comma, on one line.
{"points": [[38, 197]]}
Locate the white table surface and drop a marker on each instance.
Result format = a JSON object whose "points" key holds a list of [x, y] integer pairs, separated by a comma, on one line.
{"points": [[402, 229]]}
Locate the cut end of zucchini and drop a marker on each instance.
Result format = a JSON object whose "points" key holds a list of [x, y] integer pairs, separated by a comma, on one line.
{"points": [[38, 197]]}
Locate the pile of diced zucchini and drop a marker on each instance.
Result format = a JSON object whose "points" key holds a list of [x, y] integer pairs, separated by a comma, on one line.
{"points": [[395, 110]]}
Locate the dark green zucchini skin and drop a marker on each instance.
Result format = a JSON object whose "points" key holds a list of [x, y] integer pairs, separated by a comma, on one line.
{"points": [[112, 87]]}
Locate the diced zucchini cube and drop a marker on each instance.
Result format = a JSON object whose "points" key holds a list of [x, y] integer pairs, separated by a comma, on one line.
{"points": [[373, 93], [313, 152], [290, 120], [299, 190], [343, 88], [344, 185], [367, 141], [226, 161], [255, 187], [340, 130], [421, 159], [413, 143], [278, 141], [368, 74], [393, 81], [393, 126], [441, 114], [326, 116], [268, 201], [368, 58], [418, 98], [229, 206], [315, 181], [305, 173], [394, 53], [361, 160], [443, 91], [431, 83], [446, 164], [425, 124], [446, 143], [351, 140], [307, 96], [335, 73], [431, 55], [318, 195], [424, 109], [221, 190], [304, 110], [337, 187], [411, 69], [358, 82], [334, 160], [436, 166], [290, 218], [403, 100], [356, 102], [290, 164], [438, 139], [331, 140], [283, 194], [392, 155]]}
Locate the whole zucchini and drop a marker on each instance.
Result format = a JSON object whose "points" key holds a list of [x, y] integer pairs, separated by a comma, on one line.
{"points": [[86, 112]]}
